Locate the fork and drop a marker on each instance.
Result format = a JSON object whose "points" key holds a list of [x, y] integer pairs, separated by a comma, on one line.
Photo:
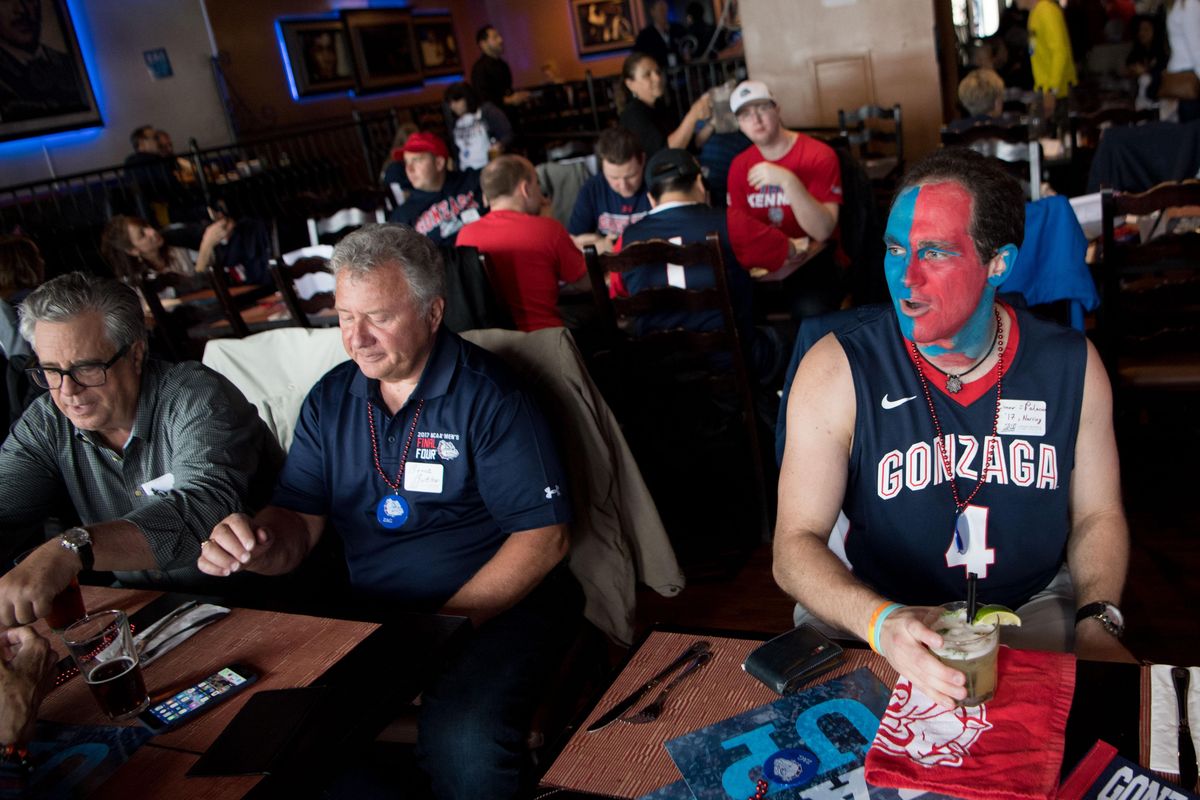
{"points": [[652, 711]]}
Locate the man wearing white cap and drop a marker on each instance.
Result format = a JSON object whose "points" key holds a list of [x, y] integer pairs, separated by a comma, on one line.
{"points": [[787, 179], [790, 181]]}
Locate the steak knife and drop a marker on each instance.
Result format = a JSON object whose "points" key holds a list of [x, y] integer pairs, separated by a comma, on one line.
{"points": [[1187, 750], [633, 697]]}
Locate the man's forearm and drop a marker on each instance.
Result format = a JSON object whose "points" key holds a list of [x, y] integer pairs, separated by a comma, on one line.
{"points": [[812, 215], [518, 567], [122, 546], [1098, 557], [808, 570]]}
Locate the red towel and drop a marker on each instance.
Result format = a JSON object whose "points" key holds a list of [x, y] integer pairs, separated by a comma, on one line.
{"points": [[1010, 747]]}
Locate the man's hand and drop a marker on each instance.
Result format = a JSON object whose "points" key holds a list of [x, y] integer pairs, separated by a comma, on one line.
{"points": [[27, 591], [25, 660], [764, 173], [905, 640], [236, 543], [702, 108], [1094, 643], [798, 252]]}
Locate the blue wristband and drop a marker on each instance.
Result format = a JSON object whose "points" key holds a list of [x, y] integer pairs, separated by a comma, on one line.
{"points": [[875, 631]]}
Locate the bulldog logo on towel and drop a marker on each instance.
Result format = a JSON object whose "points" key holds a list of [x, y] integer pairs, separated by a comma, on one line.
{"points": [[916, 727]]}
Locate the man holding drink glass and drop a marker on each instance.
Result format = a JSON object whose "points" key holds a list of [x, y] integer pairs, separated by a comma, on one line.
{"points": [[152, 455], [959, 435]]}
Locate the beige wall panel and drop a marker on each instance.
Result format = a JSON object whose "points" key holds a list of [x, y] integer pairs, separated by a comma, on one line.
{"points": [[821, 55]]}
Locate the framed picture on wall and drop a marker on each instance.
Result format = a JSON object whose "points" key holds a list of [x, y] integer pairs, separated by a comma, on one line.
{"points": [[383, 48], [318, 56], [437, 46], [601, 27], [44, 83]]}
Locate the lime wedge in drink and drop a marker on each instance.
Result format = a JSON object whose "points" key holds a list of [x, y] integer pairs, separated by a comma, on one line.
{"points": [[996, 615]]}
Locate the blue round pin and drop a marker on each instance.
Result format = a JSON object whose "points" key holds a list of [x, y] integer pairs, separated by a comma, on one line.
{"points": [[791, 767], [392, 511]]}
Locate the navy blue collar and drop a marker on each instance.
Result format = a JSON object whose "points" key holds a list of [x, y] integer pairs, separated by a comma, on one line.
{"points": [[435, 378]]}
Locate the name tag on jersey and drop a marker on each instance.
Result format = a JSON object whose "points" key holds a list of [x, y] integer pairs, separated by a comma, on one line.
{"points": [[420, 477], [469, 216], [1022, 418]]}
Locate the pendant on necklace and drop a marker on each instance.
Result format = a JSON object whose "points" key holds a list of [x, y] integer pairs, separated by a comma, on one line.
{"points": [[392, 511], [953, 384]]}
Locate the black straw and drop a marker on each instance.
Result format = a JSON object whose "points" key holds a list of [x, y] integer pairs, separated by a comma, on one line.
{"points": [[971, 603]]}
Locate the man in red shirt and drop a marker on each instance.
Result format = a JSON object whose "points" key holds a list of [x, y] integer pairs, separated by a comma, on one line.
{"points": [[529, 254], [792, 182]]}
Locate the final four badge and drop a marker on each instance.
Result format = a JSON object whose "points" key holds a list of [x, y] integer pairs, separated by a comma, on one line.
{"points": [[392, 511], [791, 767]]}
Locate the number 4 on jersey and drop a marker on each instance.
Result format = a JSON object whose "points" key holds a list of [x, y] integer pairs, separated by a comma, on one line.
{"points": [[968, 542]]}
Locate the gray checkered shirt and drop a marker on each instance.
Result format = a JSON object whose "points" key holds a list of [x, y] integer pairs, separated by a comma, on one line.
{"points": [[191, 423]]}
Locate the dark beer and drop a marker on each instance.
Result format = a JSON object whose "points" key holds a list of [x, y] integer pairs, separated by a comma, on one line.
{"points": [[119, 687]]}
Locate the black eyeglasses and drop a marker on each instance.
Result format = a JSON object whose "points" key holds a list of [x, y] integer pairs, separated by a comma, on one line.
{"points": [[84, 375]]}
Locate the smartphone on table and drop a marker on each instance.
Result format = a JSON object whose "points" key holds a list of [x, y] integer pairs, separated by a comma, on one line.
{"points": [[195, 700]]}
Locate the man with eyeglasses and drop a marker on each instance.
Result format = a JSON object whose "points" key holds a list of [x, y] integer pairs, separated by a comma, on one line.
{"points": [[791, 181], [152, 455]]}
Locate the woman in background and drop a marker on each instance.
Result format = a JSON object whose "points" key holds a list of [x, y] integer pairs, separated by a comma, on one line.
{"points": [[1183, 34], [649, 119]]}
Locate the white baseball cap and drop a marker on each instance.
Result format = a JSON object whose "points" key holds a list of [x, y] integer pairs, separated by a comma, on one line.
{"points": [[749, 92]]}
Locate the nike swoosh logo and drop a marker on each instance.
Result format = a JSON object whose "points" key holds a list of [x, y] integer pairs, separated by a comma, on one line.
{"points": [[888, 405]]}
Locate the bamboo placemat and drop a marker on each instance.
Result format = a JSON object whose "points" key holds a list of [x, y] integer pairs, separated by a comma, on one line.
{"points": [[625, 760]]}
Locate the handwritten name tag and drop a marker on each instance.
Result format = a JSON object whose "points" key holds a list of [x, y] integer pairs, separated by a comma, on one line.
{"points": [[1022, 418], [420, 477]]}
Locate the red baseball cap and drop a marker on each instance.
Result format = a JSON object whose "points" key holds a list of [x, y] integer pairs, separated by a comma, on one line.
{"points": [[426, 142]]}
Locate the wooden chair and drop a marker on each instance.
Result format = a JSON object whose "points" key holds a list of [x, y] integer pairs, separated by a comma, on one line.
{"points": [[864, 129], [236, 303], [305, 307], [331, 225], [661, 375], [1015, 145], [1148, 323]]}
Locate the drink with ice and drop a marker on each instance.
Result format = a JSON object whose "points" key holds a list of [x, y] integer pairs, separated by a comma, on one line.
{"points": [[969, 648]]}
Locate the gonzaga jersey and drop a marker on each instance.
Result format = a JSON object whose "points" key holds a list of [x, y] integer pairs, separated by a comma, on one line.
{"points": [[902, 516]]}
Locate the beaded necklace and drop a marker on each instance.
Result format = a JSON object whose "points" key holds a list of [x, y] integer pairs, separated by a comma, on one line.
{"points": [[412, 429], [960, 504]]}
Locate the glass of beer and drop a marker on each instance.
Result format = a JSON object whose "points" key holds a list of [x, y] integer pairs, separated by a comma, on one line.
{"points": [[66, 607], [103, 649], [969, 648]]}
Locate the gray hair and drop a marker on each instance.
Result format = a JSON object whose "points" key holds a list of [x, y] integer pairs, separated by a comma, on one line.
{"points": [[67, 296], [374, 246]]}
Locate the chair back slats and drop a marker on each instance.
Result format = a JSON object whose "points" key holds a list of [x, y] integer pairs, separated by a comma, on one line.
{"points": [[231, 309], [666, 361], [1148, 323], [861, 127]]}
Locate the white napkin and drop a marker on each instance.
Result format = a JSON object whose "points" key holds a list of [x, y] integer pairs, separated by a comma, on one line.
{"points": [[1164, 717], [159, 639]]}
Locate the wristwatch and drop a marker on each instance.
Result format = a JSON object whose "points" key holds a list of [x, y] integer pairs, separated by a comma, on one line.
{"points": [[79, 541], [1109, 615]]}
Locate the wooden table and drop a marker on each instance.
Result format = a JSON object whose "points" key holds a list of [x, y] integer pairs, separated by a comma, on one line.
{"points": [[593, 765], [289, 650]]}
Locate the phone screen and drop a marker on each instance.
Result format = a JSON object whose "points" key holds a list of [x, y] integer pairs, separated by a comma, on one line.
{"points": [[175, 710]]}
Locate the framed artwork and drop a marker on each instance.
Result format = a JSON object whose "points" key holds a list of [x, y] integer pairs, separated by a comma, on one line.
{"points": [[317, 55], [383, 48], [601, 27], [437, 46], [44, 84]]}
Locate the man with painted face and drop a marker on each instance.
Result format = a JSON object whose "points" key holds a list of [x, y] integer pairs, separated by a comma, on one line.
{"points": [[958, 435]]}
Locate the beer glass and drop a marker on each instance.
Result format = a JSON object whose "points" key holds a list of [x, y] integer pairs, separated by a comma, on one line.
{"points": [[103, 649]]}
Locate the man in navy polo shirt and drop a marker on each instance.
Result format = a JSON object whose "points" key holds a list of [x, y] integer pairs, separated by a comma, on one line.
{"points": [[442, 479], [614, 199]]}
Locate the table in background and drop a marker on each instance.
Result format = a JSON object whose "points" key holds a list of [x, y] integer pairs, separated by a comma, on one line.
{"points": [[288, 650], [629, 760]]}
